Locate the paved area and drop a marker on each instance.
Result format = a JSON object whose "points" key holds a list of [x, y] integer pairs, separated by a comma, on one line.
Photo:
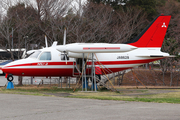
{"points": [[27, 107]]}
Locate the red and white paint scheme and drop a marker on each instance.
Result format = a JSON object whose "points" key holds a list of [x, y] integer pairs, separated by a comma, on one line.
{"points": [[61, 60]]}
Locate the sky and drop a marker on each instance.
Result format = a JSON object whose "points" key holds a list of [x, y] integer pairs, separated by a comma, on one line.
{"points": [[4, 4]]}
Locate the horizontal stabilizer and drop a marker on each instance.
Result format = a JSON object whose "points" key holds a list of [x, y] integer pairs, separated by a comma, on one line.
{"points": [[145, 55], [156, 56]]}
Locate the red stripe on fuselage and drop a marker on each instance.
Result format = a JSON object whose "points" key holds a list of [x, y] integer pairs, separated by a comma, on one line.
{"points": [[100, 48], [43, 64], [39, 72]]}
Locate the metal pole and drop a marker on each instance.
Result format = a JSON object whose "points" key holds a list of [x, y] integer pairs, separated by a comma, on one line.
{"points": [[146, 66], [85, 78], [84, 74], [92, 73], [66, 81], [82, 71], [94, 76], [113, 79], [31, 80], [59, 82], [69, 81]]}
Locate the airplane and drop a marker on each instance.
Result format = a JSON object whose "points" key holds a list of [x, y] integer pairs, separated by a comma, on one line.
{"points": [[62, 60]]}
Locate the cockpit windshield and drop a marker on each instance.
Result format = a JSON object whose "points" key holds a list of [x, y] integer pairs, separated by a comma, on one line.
{"points": [[35, 54]]}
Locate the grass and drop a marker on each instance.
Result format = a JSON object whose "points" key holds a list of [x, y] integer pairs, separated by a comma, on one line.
{"points": [[102, 94], [171, 97], [34, 90], [160, 98]]}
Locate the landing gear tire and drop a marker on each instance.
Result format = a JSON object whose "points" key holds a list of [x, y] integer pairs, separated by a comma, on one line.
{"points": [[10, 78]]}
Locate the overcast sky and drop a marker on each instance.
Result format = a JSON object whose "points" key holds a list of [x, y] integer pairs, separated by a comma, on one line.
{"points": [[4, 4]]}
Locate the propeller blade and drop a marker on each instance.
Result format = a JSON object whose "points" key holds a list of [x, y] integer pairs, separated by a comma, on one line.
{"points": [[46, 41], [64, 40]]}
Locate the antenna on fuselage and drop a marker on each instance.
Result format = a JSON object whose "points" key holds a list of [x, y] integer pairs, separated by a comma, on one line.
{"points": [[46, 41]]}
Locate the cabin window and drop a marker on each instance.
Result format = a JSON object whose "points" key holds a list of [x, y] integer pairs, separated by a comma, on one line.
{"points": [[45, 56], [35, 54]]}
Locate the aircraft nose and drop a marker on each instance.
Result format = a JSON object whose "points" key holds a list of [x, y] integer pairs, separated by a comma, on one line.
{"points": [[4, 69], [1, 71], [7, 68]]}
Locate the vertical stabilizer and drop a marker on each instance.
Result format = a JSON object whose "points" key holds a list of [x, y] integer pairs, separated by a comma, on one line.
{"points": [[153, 35]]}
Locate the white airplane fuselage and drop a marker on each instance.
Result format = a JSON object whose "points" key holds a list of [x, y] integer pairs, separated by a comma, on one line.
{"points": [[33, 66]]}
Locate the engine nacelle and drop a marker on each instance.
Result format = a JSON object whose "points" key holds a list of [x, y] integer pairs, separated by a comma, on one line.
{"points": [[80, 55], [95, 48]]}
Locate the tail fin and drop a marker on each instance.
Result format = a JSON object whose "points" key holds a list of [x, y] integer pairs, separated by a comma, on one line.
{"points": [[153, 35]]}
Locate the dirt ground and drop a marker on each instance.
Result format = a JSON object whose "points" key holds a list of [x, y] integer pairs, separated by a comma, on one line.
{"points": [[148, 77]]}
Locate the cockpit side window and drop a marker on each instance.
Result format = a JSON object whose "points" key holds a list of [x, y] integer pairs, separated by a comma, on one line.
{"points": [[35, 54], [45, 56]]}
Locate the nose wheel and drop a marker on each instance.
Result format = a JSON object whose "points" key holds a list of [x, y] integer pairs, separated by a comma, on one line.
{"points": [[10, 78]]}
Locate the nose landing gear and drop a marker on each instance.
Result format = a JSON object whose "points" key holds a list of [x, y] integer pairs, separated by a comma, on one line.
{"points": [[10, 78]]}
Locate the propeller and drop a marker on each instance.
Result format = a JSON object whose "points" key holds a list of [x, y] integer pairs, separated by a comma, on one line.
{"points": [[64, 43]]}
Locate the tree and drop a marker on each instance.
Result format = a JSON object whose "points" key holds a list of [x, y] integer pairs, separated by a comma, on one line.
{"points": [[171, 7], [115, 4], [100, 23], [50, 12], [23, 20], [172, 39], [5, 32], [148, 6], [170, 46], [24, 23]]}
